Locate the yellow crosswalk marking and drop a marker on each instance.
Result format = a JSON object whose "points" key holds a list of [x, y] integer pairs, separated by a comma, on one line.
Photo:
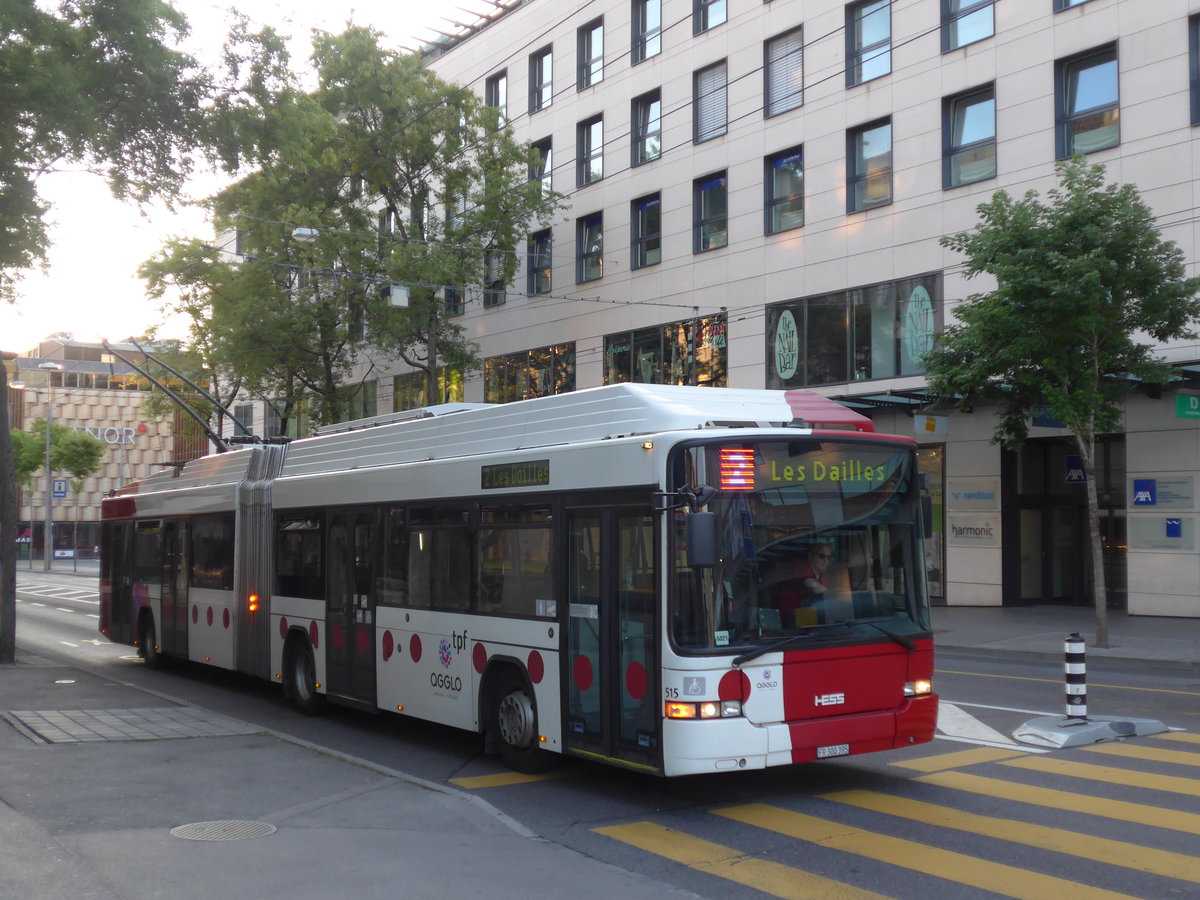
{"points": [[958, 759], [1056, 840], [1108, 774], [1067, 801], [1005, 880], [715, 859], [1150, 754], [503, 779], [1184, 737]]}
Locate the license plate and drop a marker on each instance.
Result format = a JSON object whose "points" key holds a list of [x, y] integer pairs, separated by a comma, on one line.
{"points": [[833, 750]]}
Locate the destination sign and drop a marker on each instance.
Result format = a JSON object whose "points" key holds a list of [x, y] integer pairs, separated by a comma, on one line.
{"points": [[511, 475]]}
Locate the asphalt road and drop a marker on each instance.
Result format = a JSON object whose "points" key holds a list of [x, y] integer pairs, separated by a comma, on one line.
{"points": [[971, 815]]}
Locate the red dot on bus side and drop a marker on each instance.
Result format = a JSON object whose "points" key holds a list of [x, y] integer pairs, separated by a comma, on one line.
{"points": [[313, 634], [735, 685], [362, 641], [414, 647], [636, 681], [195, 614], [537, 668], [389, 645], [209, 616], [225, 619], [282, 627], [582, 671], [479, 658], [336, 638]]}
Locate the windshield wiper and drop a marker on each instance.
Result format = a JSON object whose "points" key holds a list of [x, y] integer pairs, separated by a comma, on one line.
{"points": [[806, 632], [898, 638]]}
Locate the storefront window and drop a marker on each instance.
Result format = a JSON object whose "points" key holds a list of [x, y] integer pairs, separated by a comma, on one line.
{"points": [[878, 331], [689, 352], [530, 373]]}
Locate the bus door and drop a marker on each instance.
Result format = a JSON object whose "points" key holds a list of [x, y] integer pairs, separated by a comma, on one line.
{"points": [[350, 607], [116, 582], [172, 630], [612, 663]]}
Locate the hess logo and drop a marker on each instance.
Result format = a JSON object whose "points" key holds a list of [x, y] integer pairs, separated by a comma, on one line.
{"points": [[829, 699]]}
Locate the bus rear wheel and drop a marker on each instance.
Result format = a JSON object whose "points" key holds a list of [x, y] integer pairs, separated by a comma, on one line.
{"points": [[514, 727], [300, 679], [148, 648]]}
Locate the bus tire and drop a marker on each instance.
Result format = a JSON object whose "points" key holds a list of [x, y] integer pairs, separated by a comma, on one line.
{"points": [[148, 648], [513, 724], [300, 678]]}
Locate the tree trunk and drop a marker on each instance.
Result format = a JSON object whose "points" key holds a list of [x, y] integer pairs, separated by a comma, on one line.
{"points": [[8, 532], [1087, 448]]}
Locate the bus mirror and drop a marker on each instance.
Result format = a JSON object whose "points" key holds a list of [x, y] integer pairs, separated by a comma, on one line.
{"points": [[702, 540]]}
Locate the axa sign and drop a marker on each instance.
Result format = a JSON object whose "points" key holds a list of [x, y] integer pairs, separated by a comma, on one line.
{"points": [[1145, 492]]}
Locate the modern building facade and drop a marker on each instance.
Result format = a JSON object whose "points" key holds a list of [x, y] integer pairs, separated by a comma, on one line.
{"points": [[85, 387], [755, 196]]}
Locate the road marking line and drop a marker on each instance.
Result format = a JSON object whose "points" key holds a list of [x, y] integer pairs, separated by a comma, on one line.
{"points": [[999, 878], [503, 779], [954, 722], [1067, 801], [68, 644], [1150, 754], [1057, 840], [64, 609], [771, 878], [1051, 765], [1091, 684], [1181, 736], [957, 760]]}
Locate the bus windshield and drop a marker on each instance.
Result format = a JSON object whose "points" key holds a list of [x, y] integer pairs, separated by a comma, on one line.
{"points": [[817, 538]]}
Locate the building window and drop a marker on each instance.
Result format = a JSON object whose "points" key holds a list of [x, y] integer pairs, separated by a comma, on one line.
{"points": [[784, 178], [692, 352], [541, 165], [966, 21], [540, 264], [244, 413], [590, 144], [1060, 5], [589, 237], [408, 391], [869, 166], [494, 293], [541, 79], [495, 94], [647, 231], [647, 127], [1086, 94], [647, 29], [969, 129], [452, 301], [707, 14], [868, 41], [529, 373], [711, 115], [591, 54], [880, 331], [1194, 65], [783, 72], [710, 205]]}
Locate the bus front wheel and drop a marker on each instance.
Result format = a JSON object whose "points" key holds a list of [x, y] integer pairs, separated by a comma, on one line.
{"points": [[300, 679], [514, 727]]}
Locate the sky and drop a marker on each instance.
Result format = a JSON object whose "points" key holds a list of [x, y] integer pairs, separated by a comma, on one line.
{"points": [[91, 289]]}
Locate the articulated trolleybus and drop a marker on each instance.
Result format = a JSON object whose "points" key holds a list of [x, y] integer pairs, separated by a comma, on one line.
{"points": [[672, 579]]}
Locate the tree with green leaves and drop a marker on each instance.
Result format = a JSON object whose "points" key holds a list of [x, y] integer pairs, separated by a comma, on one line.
{"points": [[402, 185], [1087, 291]]}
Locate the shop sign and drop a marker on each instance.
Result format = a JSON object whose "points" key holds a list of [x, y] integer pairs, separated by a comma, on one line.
{"points": [[973, 531], [973, 493], [1187, 406]]}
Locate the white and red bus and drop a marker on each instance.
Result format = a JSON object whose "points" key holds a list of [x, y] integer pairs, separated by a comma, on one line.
{"points": [[609, 574]]}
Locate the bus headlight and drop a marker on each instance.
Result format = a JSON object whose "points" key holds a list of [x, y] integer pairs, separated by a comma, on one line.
{"points": [[918, 688], [709, 709]]}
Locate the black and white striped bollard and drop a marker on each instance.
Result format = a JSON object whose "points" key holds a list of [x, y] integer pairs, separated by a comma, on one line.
{"points": [[1075, 668]]}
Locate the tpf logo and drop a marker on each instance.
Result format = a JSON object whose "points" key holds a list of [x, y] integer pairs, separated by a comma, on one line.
{"points": [[1145, 492]]}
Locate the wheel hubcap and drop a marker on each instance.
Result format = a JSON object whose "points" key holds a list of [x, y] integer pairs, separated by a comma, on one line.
{"points": [[516, 719]]}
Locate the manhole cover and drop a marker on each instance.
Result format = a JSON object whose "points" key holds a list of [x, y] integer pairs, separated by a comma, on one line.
{"points": [[223, 831]]}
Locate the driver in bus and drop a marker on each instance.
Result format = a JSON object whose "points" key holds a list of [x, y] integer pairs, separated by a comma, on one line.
{"points": [[807, 586]]}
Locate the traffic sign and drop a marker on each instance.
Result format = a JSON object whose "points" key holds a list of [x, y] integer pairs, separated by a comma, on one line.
{"points": [[59, 487], [1187, 406]]}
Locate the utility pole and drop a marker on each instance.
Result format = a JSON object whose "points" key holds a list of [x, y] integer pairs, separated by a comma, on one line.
{"points": [[8, 526]]}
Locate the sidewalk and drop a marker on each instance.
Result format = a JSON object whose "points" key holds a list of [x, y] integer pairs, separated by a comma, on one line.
{"points": [[110, 793], [1039, 631]]}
